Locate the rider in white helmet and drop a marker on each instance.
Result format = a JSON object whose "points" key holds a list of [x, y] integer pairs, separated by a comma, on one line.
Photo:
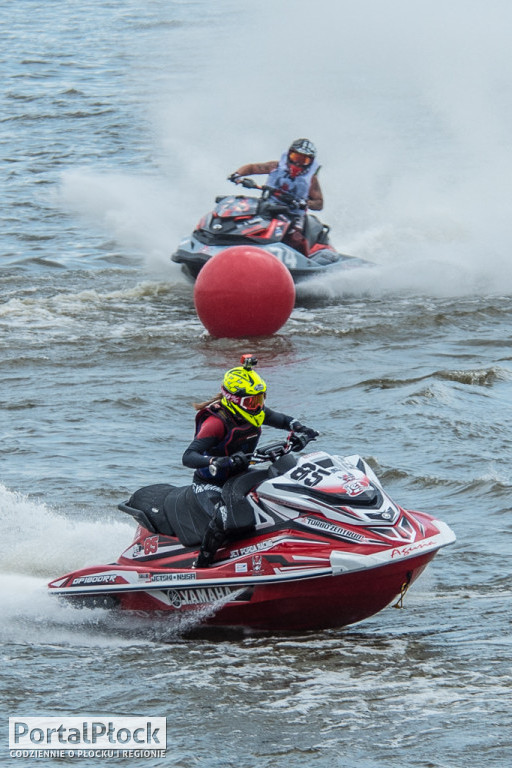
{"points": [[297, 165], [296, 174]]}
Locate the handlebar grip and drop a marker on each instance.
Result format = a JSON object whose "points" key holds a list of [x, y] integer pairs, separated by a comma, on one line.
{"points": [[249, 184]]}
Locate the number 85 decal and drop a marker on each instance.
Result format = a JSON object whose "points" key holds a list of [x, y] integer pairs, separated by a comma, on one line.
{"points": [[309, 474]]}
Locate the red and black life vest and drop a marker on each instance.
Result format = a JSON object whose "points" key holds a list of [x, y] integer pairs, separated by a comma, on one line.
{"points": [[238, 436]]}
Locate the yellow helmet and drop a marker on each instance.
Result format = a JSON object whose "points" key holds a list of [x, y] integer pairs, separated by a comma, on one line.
{"points": [[243, 392]]}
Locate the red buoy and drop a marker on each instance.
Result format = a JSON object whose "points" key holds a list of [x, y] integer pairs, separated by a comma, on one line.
{"points": [[243, 291]]}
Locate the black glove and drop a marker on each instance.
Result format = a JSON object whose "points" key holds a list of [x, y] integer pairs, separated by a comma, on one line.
{"points": [[299, 428], [303, 204], [239, 460], [298, 442], [220, 462], [234, 177]]}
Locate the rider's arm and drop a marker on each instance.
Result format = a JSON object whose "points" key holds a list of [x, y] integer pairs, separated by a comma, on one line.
{"points": [[196, 454], [282, 421], [277, 419], [256, 168], [210, 434], [315, 197]]}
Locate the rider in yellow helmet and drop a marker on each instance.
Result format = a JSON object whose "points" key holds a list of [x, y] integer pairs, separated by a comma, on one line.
{"points": [[243, 395], [228, 428]]}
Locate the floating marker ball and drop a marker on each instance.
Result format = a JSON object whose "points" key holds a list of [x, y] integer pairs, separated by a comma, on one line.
{"points": [[244, 291]]}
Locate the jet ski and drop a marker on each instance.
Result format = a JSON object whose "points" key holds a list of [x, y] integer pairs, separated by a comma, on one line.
{"points": [[266, 223], [328, 548]]}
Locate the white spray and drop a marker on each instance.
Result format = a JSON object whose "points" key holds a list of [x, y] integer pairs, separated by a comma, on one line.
{"points": [[408, 103]]}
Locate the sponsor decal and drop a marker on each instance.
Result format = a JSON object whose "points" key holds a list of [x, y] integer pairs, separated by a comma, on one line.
{"points": [[355, 486], [257, 562], [241, 567], [137, 550], [199, 596], [204, 487], [173, 577], [411, 548], [259, 547], [336, 530], [104, 578]]}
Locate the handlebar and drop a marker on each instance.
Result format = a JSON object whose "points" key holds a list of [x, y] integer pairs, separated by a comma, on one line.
{"points": [[274, 451], [295, 441], [268, 190], [249, 183]]}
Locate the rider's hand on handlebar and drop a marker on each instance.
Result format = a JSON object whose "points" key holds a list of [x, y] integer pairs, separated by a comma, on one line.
{"points": [[303, 204], [298, 442], [301, 429], [301, 435], [239, 460], [219, 462], [235, 178]]}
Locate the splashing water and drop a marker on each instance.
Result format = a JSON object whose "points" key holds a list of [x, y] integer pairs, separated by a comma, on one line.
{"points": [[414, 143]]}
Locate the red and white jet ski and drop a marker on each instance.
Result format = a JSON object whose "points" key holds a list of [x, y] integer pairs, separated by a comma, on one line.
{"points": [[329, 548]]}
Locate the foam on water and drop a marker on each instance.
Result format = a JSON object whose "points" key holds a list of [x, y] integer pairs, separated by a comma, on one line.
{"points": [[149, 307]]}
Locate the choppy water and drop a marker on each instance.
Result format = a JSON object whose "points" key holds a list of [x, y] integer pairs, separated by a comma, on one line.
{"points": [[119, 124]]}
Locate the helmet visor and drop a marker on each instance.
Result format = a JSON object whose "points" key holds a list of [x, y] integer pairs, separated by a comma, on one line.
{"points": [[297, 158]]}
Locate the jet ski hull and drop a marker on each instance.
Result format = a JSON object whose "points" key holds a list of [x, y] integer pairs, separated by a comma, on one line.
{"points": [[311, 604], [193, 255], [267, 590]]}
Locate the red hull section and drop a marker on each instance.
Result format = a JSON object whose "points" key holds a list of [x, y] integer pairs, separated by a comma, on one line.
{"points": [[306, 604]]}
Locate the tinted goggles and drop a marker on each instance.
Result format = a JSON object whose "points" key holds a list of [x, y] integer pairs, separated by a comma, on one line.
{"points": [[249, 403], [297, 158], [253, 403]]}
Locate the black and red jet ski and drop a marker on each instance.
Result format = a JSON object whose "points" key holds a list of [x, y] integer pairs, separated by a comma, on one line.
{"points": [[264, 222], [328, 548]]}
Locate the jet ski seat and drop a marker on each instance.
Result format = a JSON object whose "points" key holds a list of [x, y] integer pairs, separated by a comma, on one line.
{"points": [[176, 511]]}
